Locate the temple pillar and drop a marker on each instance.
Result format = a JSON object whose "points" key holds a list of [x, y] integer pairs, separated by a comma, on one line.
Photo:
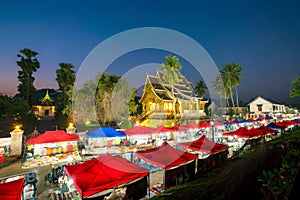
{"points": [[16, 141]]}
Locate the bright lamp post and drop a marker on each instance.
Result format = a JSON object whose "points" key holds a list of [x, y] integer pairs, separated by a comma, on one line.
{"points": [[212, 123]]}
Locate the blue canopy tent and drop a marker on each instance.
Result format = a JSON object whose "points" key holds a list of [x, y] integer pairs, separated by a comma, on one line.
{"points": [[104, 132], [269, 117], [104, 137], [245, 121], [274, 126]]}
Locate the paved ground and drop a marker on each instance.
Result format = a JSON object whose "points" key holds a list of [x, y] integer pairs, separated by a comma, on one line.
{"points": [[15, 169]]}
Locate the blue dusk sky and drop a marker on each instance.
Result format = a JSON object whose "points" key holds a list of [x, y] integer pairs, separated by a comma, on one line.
{"points": [[261, 36]]}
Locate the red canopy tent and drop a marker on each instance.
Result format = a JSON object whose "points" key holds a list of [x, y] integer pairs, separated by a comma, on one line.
{"points": [[165, 156], [103, 173], [163, 129], [12, 190], [217, 123], [244, 132], [191, 125], [52, 137], [204, 145], [236, 132], [138, 130], [204, 125], [175, 163], [266, 130]]}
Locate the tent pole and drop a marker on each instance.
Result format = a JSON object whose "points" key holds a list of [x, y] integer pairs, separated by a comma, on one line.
{"points": [[164, 179], [149, 184]]}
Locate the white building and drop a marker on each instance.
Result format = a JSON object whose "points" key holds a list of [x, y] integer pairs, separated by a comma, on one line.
{"points": [[261, 106]]}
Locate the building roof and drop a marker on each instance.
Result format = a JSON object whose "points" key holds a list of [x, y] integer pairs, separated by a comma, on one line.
{"points": [[41, 95], [271, 100], [182, 89]]}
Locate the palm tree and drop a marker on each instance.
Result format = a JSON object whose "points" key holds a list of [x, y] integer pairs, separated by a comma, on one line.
{"points": [[29, 64], [171, 71], [231, 74], [200, 88], [219, 88]]}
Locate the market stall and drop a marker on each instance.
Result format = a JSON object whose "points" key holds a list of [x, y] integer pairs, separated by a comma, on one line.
{"points": [[100, 139], [209, 153], [52, 147], [99, 176], [163, 133], [139, 135], [12, 190], [178, 166]]}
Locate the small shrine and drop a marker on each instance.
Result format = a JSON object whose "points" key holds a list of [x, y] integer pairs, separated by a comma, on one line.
{"points": [[46, 107]]}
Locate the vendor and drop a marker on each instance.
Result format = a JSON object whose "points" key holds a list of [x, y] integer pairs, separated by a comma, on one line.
{"points": [[28, 191]]}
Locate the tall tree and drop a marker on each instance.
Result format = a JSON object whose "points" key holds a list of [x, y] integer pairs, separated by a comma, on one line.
{"points": [[171, 71], [295, 87], [201, 88], [231, 74], [65, 77], [28, 64]]}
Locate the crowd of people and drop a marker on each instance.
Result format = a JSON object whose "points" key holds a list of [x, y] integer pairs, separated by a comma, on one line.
{"points": [[58, 180]]}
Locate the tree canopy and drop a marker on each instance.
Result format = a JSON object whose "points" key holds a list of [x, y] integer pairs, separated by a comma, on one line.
{"points": [[114, 101], [200, 88], [295, 87], [28, 64], [230, 76], [171, 70], [16, 112], [65, 77]]}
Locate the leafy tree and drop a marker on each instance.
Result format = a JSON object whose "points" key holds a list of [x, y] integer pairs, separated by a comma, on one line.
{"points": [[65, 77], [231, 74], [171, 71], [295, 87], [114, 101], [123, 103], [28, 64], [105, 88], [201, 88], [83, 103], [17, 111]]}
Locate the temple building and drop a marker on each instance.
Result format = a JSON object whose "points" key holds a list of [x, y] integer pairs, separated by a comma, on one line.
{"points": [[45, 107], [164, 101]]}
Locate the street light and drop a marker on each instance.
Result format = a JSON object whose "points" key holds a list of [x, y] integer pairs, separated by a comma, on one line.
{"points": [[212, 123]]}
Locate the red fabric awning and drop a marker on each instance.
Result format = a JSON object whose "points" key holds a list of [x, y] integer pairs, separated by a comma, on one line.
{"points": [[266, 130], [138, 130], [204, 125], [103, 173], [244, 132], [52, 137], [163, 129], [191, 125], [165, 156], [204, 145], [12, 190]]}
